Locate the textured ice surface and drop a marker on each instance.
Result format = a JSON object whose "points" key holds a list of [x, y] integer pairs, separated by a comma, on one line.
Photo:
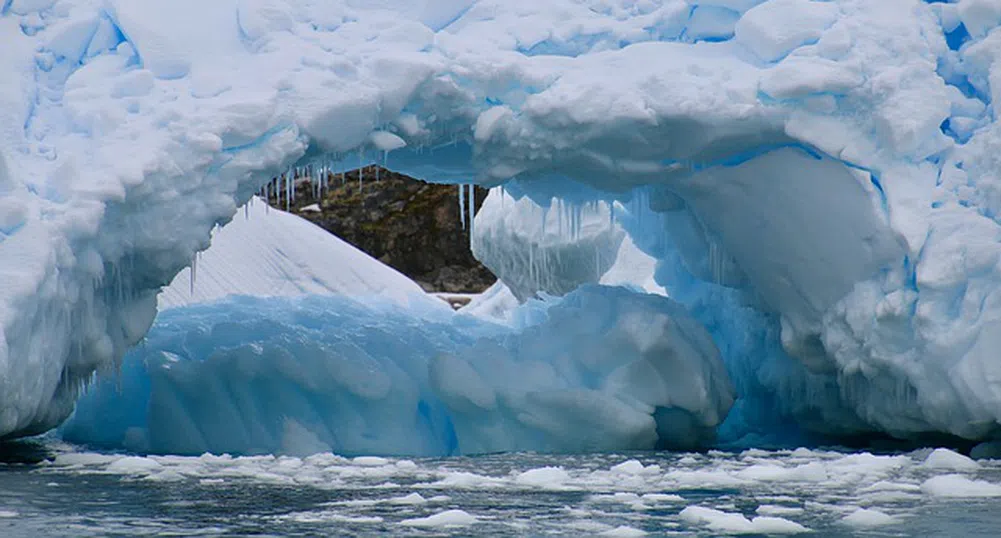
{"points": [[602, 369], [825, 172], [555, 246]]}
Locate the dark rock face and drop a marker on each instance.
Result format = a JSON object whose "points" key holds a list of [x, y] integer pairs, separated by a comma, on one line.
{"points": [[408, 224]]}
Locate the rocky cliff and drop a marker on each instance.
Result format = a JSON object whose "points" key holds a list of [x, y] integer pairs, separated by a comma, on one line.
{"points": [[410, 225]]}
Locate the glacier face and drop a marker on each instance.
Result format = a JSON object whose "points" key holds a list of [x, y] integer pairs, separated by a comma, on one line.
{"points": [[129, 129], [602, 369]]}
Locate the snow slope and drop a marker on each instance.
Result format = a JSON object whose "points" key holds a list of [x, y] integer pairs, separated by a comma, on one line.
{"points": [[269, 253], [822, 173]]}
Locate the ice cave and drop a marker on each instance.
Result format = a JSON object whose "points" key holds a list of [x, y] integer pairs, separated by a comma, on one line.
{"points": [[716, 223]]}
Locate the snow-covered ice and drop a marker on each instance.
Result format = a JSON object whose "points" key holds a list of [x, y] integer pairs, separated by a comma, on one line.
{"points": [[817, 180], [270, 253]]}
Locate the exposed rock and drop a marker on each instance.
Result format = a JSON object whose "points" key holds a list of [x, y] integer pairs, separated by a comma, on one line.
{"points": [[408, 224]]}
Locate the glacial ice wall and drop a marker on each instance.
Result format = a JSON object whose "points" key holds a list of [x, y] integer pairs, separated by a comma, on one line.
{"points": [[602, 369], [128, 129]]}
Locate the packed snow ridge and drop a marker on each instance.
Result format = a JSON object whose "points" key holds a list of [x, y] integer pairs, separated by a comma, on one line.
{"points": [[816, 179]]}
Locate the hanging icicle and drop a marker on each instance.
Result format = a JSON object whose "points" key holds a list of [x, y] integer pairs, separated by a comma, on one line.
{"points": [[194, 272], [472, 211], [462, 205]]}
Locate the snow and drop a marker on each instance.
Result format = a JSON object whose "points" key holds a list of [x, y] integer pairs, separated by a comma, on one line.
{"points": [[595, 370], [496, 303], [819, 190], [266, 252], [774, 29]]}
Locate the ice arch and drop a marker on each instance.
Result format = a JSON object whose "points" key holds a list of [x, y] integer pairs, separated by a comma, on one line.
{"points": [[131, 128]]}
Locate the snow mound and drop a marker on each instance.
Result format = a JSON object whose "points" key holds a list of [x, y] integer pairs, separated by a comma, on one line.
{"points": [[270, 253]]}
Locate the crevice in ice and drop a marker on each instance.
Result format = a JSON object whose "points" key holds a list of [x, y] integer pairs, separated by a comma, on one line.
{"points": [[957, 38]]}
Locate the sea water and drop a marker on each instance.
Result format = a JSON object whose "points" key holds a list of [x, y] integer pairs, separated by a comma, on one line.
{"points": [[52, 489]]}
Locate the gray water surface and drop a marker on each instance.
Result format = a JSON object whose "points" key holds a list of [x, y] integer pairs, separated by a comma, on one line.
{"points": [[822, 493]]}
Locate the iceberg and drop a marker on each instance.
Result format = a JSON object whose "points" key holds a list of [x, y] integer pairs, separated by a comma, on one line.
{"points": [[816, 180], [604, 368]]}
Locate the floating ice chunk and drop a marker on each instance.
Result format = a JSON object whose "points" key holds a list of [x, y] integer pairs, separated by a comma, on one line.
{"points": [[864, 518], [543, 477], [134, 465], [624, 531], [943, 458], [732, 523], [954, 485], [369, 461], [448, 518], [778, 510], [773, 29], [409, 500], [628, 467]]}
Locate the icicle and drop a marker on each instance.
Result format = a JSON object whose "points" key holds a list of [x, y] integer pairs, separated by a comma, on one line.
{"points": [[462, 205], [293, 190], [194, 272], [557, 207], [472, 211]]}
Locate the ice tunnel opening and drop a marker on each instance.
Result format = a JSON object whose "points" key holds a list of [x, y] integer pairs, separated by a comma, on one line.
{"points": [[723, 234]]}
